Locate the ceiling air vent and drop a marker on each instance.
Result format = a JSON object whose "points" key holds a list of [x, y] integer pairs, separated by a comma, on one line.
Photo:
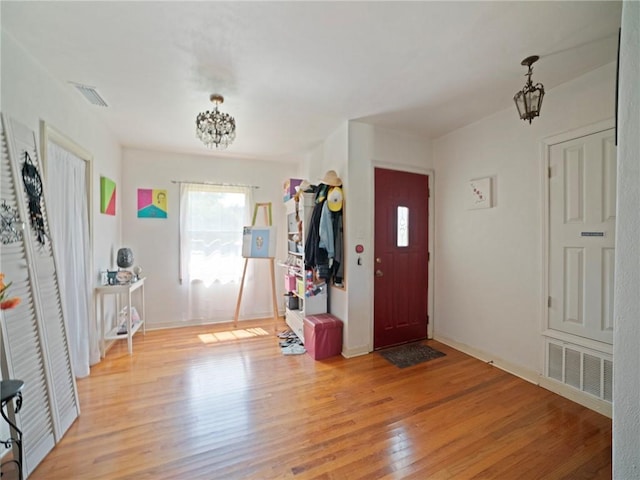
{"points": [[90, 93]]}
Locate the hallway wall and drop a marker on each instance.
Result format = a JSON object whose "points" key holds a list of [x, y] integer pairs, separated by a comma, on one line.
{"points": [[489, 267]]}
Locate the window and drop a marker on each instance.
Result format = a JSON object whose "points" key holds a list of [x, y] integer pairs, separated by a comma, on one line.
{"points": [[212, 218], [402, 228]]}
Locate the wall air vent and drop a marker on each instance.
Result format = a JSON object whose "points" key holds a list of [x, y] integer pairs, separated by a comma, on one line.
{"points": [[581, 368], [91, 94]]}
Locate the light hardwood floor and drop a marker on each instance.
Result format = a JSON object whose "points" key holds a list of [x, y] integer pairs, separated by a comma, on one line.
{"points": [[190, 405]]}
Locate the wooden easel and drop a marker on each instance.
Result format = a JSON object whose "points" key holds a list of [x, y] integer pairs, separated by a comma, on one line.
{"points": [[268, 220]]}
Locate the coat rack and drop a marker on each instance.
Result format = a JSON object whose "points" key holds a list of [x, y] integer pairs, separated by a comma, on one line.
{"points": [[266, 207]]}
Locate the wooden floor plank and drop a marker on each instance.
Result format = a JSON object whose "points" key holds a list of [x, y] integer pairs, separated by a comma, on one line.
{"points": [[208, 403]]}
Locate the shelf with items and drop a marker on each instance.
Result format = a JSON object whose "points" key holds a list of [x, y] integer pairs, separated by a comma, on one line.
{"points": [[127, 314], [120, 331], [310, 298], [306, 305]]}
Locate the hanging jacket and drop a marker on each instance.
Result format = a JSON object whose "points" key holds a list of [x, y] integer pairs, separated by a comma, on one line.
{"points": [[311, 244], [325, 231], [338, 258]]}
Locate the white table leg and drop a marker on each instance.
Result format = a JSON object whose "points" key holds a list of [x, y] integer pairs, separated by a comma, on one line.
{"points": [[102, 323], [129, 326]]}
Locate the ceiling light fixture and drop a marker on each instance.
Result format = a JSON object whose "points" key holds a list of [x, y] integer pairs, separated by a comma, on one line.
{"points": [[214, 128], [529, 99]]}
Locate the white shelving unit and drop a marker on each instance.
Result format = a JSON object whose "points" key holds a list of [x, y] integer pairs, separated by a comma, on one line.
{"points": [[294, 267], [121, 291]]}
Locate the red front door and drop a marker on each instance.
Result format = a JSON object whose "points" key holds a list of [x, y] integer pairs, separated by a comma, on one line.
{"points": [[401, 257]]}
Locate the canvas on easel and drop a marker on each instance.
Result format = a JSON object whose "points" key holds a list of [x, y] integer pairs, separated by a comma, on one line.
{"points": [[259, 242]]}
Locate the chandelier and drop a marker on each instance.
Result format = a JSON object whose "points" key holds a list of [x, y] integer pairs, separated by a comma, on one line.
{"points": [[215, 128], [529, 99]]}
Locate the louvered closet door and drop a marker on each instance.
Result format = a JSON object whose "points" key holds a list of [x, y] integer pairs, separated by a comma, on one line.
{"points": [[34, 333], [25, 359]]}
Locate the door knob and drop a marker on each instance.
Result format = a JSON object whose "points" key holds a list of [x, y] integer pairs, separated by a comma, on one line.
{"points": [[379, 273]]}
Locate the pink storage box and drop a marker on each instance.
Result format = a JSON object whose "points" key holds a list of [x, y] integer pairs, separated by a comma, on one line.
{"points": [[289, 283], [323, 335]]}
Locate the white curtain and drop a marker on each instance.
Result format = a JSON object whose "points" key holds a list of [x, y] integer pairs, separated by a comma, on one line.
{"points": [[211, 262], [69, 225]]}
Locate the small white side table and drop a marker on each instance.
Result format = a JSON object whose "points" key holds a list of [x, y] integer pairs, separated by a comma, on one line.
{"points": [[120, 291]]}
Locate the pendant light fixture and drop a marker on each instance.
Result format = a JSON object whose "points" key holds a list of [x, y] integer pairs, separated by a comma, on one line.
{"points": [[529, 99], [214, 128]]}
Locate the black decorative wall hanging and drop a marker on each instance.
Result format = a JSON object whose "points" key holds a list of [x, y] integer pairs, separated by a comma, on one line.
{"points": [[33, 186]]}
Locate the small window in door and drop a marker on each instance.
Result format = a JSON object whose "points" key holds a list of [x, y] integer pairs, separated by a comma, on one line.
{"points": [[402, 228]]}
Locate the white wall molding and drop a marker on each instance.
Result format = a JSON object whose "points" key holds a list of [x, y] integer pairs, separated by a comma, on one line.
{"points": [[580, 132], [586, 400], [502, 364], [569, 393], [356, 352], [580, 341]]}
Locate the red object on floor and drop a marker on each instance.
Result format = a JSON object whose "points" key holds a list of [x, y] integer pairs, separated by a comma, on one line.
{"points": [[323, 335]]}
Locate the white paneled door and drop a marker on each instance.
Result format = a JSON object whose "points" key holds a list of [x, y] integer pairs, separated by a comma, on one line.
{"points": [[582, 214]]}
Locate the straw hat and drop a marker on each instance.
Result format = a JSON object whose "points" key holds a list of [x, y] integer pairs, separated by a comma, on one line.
{"points": [[331, 178]]}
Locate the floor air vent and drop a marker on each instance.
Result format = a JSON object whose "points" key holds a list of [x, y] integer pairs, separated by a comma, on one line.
{"points": [[583, 369]]}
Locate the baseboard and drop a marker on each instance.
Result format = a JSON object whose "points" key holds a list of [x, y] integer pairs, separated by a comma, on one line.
{"points": [[536, 378], [518, 371], [584, 399], [355, 352], [200, 323]]}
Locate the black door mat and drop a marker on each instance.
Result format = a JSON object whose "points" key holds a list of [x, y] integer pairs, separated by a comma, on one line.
{"points": [[410, 354]]}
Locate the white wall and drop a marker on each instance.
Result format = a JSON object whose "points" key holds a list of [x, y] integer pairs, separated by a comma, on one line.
{"points": [[155, 241], [332, 154], [370, 146], [488, 262], [29, 94], [352, 151], [626, 380]]}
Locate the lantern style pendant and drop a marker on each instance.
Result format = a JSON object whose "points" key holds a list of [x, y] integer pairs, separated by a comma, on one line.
{"points": [[529, 99]]}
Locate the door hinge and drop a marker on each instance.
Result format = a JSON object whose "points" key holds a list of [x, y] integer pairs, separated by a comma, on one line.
{"points": [[549, 302], [549, 172], [428, 256]]}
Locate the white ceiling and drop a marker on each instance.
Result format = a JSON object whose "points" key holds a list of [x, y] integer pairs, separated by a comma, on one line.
{"points": [[292, 72]]}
